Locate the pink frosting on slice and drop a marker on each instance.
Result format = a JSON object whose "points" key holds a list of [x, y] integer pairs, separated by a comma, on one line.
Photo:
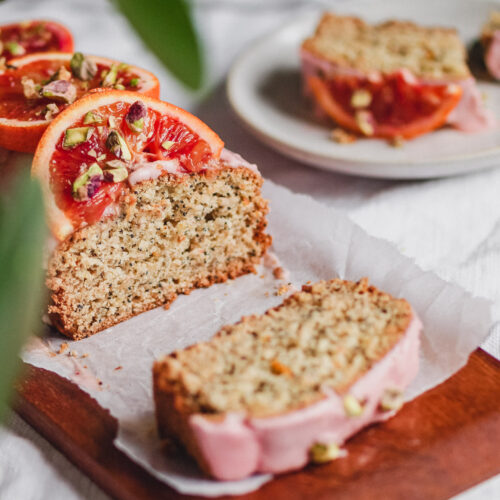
{"points": [[237, 446], [492, 56], [470, 115]]}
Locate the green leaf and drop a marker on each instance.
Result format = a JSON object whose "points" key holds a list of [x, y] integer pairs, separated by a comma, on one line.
{"points": [[167, 29], [22, 240]]}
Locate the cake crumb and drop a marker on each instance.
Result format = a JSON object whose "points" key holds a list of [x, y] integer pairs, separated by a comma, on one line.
{"points": [[73, 354], [52, 354], [62, 347], [279, 273], [85, 355], [262, 276], [283, 289], [267, 294], [397, 142], [341, 136], [118, 368]]}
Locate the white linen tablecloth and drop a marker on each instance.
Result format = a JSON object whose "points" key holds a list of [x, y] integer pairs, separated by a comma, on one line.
{"points": [[451, 226]]}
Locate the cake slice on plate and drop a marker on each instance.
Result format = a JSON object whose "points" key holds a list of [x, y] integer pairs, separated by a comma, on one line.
{"points": [[391, 80], [490, 40], [275, 391], [144, 204]]}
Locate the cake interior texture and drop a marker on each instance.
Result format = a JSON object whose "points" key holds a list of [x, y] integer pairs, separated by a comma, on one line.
{"points": [[327, 335], [171, 235], [428, 52]]}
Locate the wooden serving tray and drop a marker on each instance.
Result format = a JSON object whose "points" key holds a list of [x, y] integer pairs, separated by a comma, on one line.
{"points": [[438, 445]]}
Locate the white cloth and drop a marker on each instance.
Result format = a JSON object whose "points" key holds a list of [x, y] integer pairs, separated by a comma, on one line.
{"points": [[450, 226]]}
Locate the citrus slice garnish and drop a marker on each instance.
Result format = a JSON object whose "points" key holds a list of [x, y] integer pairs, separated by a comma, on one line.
{"points": [[389, 107], [91, 152], [44, 84], [27, 37]]}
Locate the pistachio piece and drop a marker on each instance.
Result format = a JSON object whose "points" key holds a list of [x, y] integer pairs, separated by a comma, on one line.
{"points": [[117, 145], [361, 98], [61, 74], [119, 86], [75, 136], [15, 48], [167, 144], [60, 90], [87, 184], [123, 67], [115, 171], [135, 116], [31, 90], [391, 400], [363, 120], [322, 453], [83, 67], [51, 110], [92, 117], [352, 406], [134, 82], [110, 78]]}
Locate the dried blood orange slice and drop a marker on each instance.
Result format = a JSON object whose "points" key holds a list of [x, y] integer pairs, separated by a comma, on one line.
{"points": [[393, 106], [27, 37], [44, 84], [99, 147]]}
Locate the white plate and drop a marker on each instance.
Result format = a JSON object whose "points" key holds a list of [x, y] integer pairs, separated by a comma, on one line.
{"points": [[264, 89]]}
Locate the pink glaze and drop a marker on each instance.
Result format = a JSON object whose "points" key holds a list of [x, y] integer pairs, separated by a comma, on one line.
{"points": [[235, 160], [238, 446], [492, 56], [153, 170], [468, 116]]}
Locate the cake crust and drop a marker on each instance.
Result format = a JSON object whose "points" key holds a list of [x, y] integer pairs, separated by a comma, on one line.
{"points": [[350, 43]]}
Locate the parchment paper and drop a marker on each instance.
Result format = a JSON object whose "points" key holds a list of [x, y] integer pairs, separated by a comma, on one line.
{"points": [[312, 242]]}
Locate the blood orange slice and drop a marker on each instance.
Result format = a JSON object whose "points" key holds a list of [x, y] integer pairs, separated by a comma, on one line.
{"points": [[27, 37], [44, 84], [96, 149], [396, 105]]}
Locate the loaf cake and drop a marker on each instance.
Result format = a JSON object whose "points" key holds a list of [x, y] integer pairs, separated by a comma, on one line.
{"points": [[275, 391], [490, 40], [394, 79], [144, 204]]}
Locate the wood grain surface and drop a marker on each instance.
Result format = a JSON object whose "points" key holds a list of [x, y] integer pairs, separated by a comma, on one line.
{"points": [[438, 445]]}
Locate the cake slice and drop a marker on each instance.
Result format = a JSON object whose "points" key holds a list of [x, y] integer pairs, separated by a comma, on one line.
{"points": [[490, 40], [391, 80], [273, 392], [144, 204]]}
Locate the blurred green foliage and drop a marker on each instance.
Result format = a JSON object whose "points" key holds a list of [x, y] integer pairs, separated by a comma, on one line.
{"points": [[167, 29], [22, 240]]}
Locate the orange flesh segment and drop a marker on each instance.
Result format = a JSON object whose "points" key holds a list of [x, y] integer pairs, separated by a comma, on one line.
{"points": [[397, 109], [14, 105]]}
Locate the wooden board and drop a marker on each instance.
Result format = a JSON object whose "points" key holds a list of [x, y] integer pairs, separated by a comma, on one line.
{"points": [[440, 444]]}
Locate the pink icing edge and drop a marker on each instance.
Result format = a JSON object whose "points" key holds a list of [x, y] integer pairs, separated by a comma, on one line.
{"points": [[492, 56], [469, 115], [238, 447]]}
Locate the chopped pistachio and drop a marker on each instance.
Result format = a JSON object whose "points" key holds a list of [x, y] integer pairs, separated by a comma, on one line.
{"points": [[31, 90], [361, 98], [115, 171], [87, 184], [101, 157], [322, 453], [392, 400], [110, 78], [352, 406], [15, 48], [134, 82], [92, 117], [51, 110], [363, 121], [75, 136], [61, 74], [118, 146], [119, 86], [92, 153], [60, 90], [167, 144], [123, 66], [84, 85], [83, 67], [135, 116]]}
